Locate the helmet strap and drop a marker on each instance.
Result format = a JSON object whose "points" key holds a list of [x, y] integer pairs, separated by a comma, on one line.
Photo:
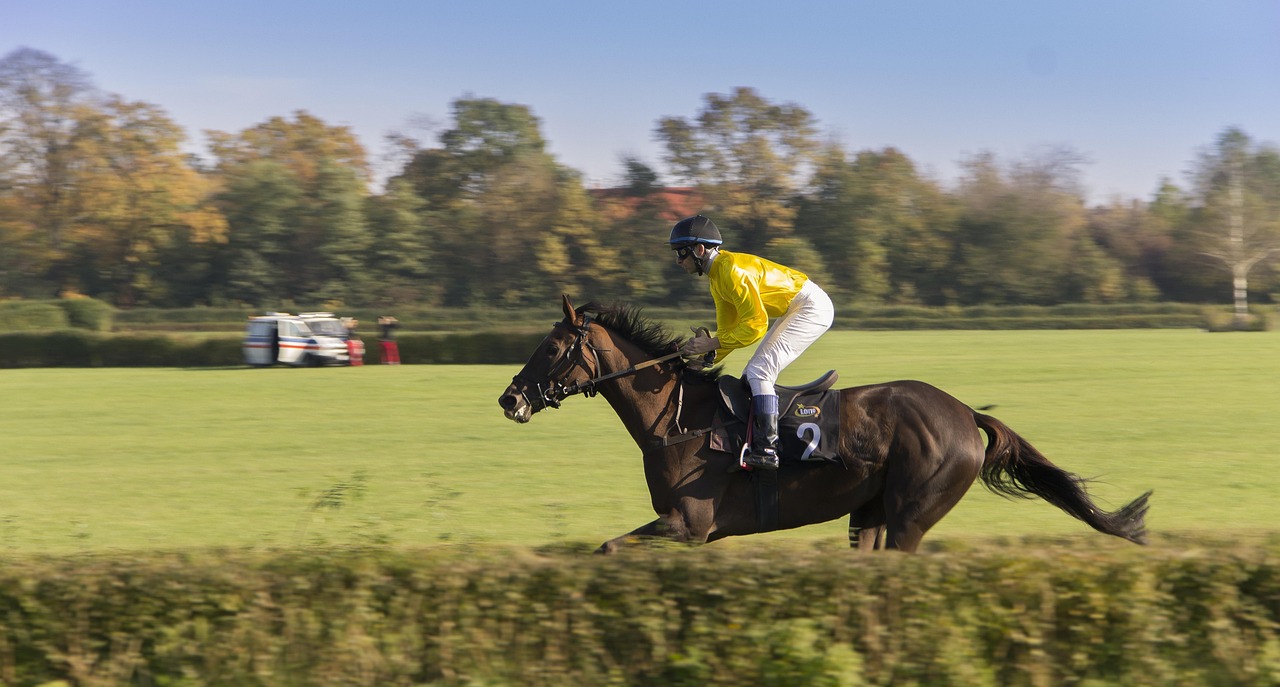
{"points": [[704, 263]]}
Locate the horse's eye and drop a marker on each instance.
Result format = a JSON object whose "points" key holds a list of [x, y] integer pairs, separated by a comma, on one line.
{"points": [[551, 351]]}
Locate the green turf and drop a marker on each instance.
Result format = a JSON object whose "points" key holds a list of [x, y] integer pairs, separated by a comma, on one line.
{"points": [[103, 460]]}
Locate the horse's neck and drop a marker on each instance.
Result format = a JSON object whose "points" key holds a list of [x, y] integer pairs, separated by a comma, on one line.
{"points": [[647, 401]]}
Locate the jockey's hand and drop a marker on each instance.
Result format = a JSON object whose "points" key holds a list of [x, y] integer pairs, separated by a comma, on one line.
{"points": [[703, 342]]}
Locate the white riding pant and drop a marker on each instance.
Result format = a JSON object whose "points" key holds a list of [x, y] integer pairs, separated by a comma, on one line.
{"points": [[808, 317]]}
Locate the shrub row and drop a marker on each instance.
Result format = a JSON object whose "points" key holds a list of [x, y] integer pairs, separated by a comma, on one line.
{"points": [[669, 617], [80, 313], [850, 316], [77, 348]]}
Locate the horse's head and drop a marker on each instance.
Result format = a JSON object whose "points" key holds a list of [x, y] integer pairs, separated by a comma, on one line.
{"points": [[553, 372]]}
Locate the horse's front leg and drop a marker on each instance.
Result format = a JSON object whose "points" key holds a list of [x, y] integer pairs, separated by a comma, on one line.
{"points": [[670, 526]]}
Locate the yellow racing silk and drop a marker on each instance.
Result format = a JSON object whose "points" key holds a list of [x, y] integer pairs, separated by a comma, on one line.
{"points": [[749, 290]]}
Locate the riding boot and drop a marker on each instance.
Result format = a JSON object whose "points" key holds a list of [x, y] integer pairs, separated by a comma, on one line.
{"points": [[764, 434]]}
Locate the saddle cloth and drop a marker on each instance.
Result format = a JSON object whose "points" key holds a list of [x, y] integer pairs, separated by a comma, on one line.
{"points": [[808, 419]]}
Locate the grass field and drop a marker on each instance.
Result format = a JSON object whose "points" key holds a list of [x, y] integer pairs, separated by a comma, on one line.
{"points": [[120, 460]]}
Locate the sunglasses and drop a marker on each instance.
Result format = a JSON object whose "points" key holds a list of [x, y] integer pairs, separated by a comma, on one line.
{"points": [[684, 252]]}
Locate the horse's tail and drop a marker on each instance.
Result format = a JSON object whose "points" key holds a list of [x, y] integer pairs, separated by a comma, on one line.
{"points": [[1014, 468]]}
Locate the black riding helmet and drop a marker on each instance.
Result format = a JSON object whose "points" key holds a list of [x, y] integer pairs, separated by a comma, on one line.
{"points": [[696, 229]]}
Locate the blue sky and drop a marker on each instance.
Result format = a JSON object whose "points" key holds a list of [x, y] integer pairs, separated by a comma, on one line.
{"points": [[1136, 86]]}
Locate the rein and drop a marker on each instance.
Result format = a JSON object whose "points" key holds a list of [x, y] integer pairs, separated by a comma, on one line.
{"points": [[589, 386]]}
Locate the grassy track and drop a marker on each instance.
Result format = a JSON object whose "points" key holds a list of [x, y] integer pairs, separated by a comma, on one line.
{"points": [[102, 460]]}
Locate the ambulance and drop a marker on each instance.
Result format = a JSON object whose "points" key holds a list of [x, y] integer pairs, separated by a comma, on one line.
{"points": [[308, 339]]}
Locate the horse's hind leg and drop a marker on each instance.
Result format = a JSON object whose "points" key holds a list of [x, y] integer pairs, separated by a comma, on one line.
{"points": [[866, 538], [914, 502], [866, 527]]}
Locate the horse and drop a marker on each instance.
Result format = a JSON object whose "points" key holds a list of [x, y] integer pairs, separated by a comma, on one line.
{"points": [[909, 451]]}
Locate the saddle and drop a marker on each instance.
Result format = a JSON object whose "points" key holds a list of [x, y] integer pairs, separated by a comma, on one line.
{"points": [[808, 419]]}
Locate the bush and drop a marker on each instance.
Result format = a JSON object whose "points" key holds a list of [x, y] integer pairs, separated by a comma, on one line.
{"points": [[24, 316], [1220, 320], [88, 313]]}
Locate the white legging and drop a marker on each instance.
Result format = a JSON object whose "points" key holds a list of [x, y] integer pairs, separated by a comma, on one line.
{"points": [[807, 318]]}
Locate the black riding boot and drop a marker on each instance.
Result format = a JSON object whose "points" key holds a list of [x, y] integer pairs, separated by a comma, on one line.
{"points": [[764, 442]]}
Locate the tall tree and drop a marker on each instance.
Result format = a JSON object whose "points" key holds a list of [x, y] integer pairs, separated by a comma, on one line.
{"points": [[521, 227], [1238, 184], [884, 230], [260, 201], [139, 196], [304, 144], [748, 156], [401, 249], [485, 136], [43, 104], [1138, 236], [1018, 228], [294, 200]]}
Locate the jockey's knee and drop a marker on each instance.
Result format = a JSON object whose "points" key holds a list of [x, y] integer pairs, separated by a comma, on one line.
{"points": [[760, 384]]}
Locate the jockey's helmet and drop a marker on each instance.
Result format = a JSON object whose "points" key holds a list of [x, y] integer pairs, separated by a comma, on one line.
{"points": [[696, 229]]}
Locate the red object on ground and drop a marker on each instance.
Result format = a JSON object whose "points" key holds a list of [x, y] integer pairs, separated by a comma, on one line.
{"points": [[390, 353]]}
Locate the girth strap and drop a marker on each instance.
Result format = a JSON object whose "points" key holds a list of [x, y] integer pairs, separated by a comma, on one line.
{"points": [[766, 484]]}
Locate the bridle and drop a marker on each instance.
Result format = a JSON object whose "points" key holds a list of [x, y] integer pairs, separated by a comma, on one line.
{"points": [[556, 390]]}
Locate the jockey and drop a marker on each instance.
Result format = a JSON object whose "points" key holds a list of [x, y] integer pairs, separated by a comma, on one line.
{"points": [[748, 291]]}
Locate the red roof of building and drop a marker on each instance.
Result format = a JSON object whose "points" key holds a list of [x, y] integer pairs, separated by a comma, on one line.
{"points": [[677, 202]]}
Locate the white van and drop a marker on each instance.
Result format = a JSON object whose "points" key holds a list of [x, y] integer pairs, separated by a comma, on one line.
{"points": [[307, 339]]}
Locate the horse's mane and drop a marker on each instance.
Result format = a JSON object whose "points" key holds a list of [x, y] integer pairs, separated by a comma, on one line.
{"points": [[650, 336]]}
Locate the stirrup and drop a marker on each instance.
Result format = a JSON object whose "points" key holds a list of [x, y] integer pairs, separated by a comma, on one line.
{"points": [[763, 461]]}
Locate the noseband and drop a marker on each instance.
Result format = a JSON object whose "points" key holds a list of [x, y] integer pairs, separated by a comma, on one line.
{"points": [[555, 390]]}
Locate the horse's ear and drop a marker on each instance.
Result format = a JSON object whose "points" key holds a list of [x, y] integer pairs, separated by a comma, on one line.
{"points": [[570, 315]]}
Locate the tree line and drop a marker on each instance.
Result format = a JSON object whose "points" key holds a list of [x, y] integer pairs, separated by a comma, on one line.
{"points": [[98, 198]]}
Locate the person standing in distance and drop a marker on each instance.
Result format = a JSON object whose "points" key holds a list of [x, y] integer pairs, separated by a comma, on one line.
{"points": [[387, 327], [748, 292]]}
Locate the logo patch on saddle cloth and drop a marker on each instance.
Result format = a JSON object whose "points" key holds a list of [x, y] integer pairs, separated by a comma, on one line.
{"points": [[809, 429]]}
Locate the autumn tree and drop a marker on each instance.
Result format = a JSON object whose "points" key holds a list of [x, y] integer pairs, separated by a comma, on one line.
{"points": [[293, 196], [43, 104], [1138, 236], [1020, 230], [521, 228], [97, 188], [749, 157], [140, 200], [883, 230]]}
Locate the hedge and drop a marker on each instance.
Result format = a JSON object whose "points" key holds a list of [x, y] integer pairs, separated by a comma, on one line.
{"points": [[80, 313], [80, 348], [666, 616], [16, 316], [76, 348], [849, 316]]}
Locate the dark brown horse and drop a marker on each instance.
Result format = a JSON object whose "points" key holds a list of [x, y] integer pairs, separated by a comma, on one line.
{"points": [[909, 450]]}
